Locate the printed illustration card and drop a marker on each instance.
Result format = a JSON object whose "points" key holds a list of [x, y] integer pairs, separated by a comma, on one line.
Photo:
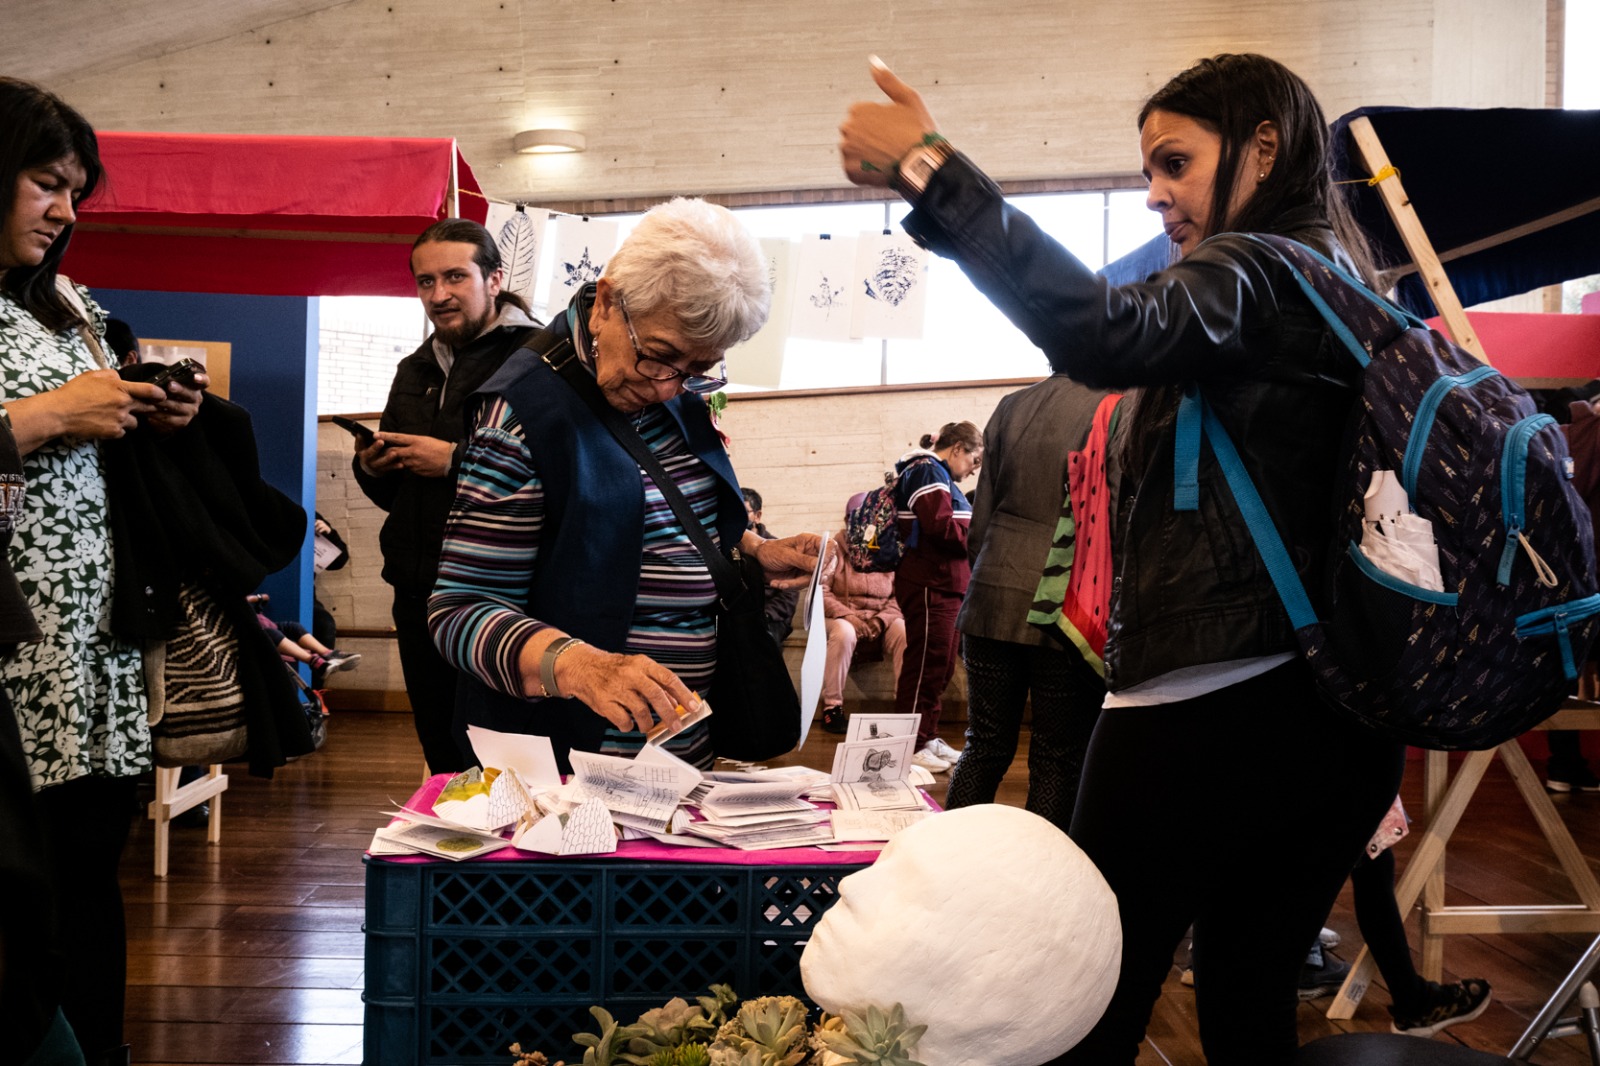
{"points": [[879, 726], [883, 759]]}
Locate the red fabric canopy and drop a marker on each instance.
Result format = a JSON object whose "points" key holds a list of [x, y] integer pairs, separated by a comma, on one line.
{"points": [[278, 216]]}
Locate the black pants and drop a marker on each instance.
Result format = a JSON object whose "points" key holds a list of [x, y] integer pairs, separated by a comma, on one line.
{"points": [[430, 684], [1241, 811], [1383, 928], [86, 823], [1067, 694]]}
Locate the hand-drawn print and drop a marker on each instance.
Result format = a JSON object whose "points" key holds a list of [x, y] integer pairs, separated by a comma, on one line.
{"points": [[890, 272]]}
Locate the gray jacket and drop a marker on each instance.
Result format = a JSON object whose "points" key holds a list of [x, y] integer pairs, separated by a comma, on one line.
{"points": [[1021, 486]]}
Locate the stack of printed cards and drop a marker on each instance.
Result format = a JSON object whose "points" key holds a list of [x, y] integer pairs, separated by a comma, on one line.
{"points": [[761, 815], [878, 747]]}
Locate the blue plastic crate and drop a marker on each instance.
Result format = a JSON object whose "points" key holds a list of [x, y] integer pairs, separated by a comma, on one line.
{"points": [[462, 960]]}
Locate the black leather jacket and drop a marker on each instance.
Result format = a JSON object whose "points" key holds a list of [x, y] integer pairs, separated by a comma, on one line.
{"points": [[1191, 588]]}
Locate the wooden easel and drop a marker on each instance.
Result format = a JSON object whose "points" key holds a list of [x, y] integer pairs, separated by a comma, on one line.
{"points": [[1445, 800], [172, 800]]}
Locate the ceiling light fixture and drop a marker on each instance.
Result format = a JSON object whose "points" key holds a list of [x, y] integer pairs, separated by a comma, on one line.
{"points": [[548, 142]]}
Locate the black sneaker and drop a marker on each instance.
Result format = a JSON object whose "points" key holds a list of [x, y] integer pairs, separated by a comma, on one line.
{"points": [[1580, 779], [1444, 1006], [833, 720], [1322, 974]]}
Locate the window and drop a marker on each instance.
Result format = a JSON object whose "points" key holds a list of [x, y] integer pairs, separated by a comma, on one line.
{"points": [[964, 337]]}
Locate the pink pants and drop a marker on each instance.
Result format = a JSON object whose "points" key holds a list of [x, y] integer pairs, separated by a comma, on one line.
{"points": [[842, 645]]}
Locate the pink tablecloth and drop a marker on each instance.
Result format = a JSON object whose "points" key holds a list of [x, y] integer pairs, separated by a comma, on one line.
{"points": [[642, 850]]}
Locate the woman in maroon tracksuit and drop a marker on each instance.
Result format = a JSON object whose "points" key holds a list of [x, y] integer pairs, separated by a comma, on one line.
{"points": [[933, 516]]}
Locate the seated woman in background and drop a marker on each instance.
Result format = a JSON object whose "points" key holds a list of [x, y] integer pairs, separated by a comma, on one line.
{"points": [[864, 623], [569, 595]]}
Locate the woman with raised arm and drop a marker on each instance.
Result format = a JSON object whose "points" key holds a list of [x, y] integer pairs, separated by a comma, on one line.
{"points": [[1198, 799]]}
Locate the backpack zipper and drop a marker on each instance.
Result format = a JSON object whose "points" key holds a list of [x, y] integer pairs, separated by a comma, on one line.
{"points": [[1513, 497], [1422, 425]]}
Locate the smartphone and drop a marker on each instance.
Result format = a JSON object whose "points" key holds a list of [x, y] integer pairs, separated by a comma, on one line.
{"points": [[183, 372], [364, 436]]}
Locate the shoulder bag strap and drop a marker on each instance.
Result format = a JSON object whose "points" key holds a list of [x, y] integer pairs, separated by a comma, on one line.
{"points": [[69, 292], [563, 360]]}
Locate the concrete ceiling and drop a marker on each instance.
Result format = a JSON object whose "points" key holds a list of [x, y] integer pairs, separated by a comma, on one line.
{"points": [[52, 41]]}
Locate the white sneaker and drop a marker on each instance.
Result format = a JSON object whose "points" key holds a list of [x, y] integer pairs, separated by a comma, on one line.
{"points": [[929, 761], [1328, 938], [942, 750]]}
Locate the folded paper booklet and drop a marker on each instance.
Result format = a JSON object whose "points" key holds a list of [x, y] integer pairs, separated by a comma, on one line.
{"points": [[587, 830], [858, 825], [877, 795], [465, 801], [640, 793], [434, 836]]}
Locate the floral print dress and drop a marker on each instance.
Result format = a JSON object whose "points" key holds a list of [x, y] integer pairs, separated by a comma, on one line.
{"points": [[79, 695]]}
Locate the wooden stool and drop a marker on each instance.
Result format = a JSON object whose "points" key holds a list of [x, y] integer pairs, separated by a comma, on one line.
{"points": [[172, 800]]}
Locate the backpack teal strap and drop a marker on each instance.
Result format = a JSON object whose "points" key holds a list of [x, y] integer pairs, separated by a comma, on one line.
{"points": [[1279, 566], [1186, 456]]}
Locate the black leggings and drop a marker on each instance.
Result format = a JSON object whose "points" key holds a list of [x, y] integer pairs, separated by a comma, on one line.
{"points": [[1067, 694], [86, 823], [1383, 928], [1241, 811]]}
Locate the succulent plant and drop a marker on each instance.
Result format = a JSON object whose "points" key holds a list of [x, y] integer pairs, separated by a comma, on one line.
{"points": [[606, 1048], [666, 1028], [876, 1039], [716, 1005], [774, 1027]]}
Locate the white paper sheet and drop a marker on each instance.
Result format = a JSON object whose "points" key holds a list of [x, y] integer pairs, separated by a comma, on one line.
{"points": [[759, 360], [814, 661], [530, 756], [884, 759], [877, 795], [879, 726]]}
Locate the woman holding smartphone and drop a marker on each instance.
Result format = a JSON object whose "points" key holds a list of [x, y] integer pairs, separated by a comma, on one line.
{"points": [[78, 694]]}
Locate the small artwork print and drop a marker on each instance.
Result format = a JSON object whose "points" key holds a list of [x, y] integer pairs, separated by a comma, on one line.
{"points": [[892, 275], [519, 234], [824, 288], [885, 760], [582, 247]]}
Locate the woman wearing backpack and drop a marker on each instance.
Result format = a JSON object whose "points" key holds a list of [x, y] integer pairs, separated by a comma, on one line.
{"points": [[1212, 732], [932, 577]]}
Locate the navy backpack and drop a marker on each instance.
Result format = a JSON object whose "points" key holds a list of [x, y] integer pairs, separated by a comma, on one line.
{"points": [[1498, 650], [871, 538]]}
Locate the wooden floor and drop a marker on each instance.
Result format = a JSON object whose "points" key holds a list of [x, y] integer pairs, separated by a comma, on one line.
{"points": [[251, 951]]}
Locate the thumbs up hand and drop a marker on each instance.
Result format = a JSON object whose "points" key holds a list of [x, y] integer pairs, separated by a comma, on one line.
{"points": [[876, 136]]}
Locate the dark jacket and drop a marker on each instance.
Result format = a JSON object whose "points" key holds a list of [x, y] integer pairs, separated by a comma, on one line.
{"points": [[586, 579], [1020, 491], [418, 506], [193, 507], [931, 516], [1191, 587]]}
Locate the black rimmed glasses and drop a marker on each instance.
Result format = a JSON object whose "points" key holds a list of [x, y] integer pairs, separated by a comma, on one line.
{"points": [[660, 370]]}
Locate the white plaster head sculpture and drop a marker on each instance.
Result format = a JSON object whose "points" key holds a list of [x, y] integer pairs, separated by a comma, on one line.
{"points": [[988, 925]]}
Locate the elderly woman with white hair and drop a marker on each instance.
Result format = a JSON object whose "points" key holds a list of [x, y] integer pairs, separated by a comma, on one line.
{"points": [[569, 593]]}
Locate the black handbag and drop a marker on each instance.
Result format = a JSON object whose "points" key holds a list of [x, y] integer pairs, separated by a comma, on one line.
{"points": [[755, 711]]}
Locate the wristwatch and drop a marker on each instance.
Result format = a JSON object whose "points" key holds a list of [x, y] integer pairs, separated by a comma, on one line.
{"points": [[916, 169]]}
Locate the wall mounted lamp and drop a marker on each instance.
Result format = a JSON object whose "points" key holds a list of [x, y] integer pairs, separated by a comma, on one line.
{"points": [[548, 142]]}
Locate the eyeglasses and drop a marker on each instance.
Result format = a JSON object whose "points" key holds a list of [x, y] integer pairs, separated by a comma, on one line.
{"points": [[659, 370]]}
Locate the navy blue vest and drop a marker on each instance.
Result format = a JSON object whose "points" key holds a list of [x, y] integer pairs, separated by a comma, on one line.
{"points": [[586, 579]]}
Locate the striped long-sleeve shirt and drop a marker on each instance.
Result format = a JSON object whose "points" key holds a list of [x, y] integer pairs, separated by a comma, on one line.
{"points": [[491, 547]]}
